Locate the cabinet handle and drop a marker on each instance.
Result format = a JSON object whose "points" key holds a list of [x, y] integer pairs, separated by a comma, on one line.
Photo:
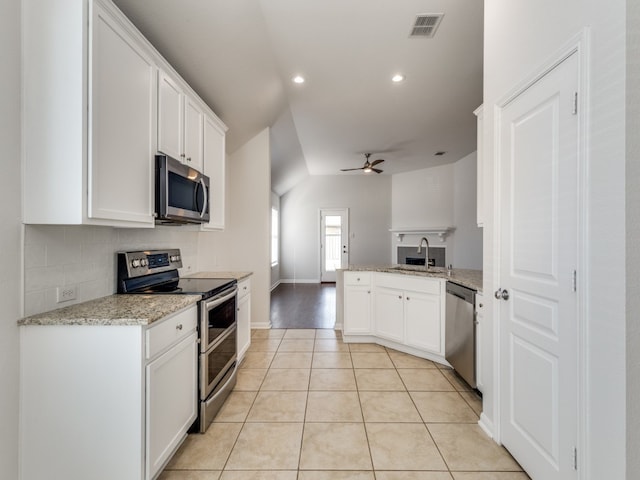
{"points": [[408, 298], [188, 159], [400, 297], [479, 305], [179, 326], [182, 155], [368, 291], [245, 287], [358, 279]]}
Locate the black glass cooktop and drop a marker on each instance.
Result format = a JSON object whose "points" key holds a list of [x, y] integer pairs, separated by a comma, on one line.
{"points": [[207, 287]]}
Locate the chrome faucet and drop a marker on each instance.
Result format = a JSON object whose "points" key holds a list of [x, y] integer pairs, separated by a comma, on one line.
{"points": [[426, 254]]}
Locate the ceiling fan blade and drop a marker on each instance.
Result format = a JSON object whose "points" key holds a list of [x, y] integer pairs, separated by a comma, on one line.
{"points": [[377, 170], [376, 162], [349, 169]]}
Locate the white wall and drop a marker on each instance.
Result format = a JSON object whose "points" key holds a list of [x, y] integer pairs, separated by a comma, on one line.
{"points": [[245, 242], [514, 47], [275, 270], [633, 234], [10, 234], [367, 198], [443, 196], [84, 257]]}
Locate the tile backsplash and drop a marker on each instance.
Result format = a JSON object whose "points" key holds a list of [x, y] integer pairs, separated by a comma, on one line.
{"points": [[84, 257]]}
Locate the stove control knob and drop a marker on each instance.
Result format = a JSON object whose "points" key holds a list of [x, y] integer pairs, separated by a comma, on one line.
{"points": [[172, 258], [143, 262], [177, 258], [135, 263]]}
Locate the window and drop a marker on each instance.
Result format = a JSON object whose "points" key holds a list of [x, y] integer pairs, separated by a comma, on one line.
{"points": [[274, 237]]}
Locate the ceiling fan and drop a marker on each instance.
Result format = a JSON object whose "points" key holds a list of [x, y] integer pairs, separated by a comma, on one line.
{"points": [[368, 166]]}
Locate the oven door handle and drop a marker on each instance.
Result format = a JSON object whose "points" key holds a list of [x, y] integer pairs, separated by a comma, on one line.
{"points": [[218, 301]]}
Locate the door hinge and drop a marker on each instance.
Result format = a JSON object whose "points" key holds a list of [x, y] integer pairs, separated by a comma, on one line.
{"points": [[575, 281], [574, 458], [575, 103]]}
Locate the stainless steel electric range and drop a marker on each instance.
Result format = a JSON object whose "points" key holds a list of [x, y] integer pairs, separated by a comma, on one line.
{"points": [[156, 272]]}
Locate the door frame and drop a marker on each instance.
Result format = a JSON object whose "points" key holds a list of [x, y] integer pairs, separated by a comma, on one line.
{"points": [[342, 211], [578, 45]]}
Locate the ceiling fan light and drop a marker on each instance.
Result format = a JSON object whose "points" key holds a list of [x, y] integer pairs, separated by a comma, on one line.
{"points": [[397, 78], [367, 170]]}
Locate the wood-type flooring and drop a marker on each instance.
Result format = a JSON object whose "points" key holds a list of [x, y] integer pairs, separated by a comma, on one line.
{"points": [[306, 305]]}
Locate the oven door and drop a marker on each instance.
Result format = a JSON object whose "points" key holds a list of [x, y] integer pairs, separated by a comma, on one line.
{"points": [[217, 315], [215, 362]]}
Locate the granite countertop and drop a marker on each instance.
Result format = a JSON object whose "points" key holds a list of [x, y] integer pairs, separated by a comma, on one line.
{"points": [[114, 310], [237, 275], [467, 278]]}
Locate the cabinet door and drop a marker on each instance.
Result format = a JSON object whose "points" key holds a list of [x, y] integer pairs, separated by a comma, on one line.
{"points": [[214, 168], [122, 113], [357, 310], [389, 313], [244, 324], [171, 401], [422, 317], [170, 121], [193, 130]]}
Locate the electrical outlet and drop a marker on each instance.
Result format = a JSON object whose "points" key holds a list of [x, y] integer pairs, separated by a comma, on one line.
{"points": [[66, 293]]}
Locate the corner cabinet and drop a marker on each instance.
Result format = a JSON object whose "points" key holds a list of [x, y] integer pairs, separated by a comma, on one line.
{"points": [[94, 393], [400, 311], [89, 116], [244, 317]]}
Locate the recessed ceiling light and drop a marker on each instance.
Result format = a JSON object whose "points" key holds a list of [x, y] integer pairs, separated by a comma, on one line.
{"points": [[298, 79], [397, 78]]}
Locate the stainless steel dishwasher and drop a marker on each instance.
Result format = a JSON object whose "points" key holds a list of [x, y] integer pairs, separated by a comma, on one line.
{"points": [[460, 331]]}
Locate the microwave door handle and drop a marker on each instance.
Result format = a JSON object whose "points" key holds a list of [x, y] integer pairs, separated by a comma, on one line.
{"points": [[206, 197]]}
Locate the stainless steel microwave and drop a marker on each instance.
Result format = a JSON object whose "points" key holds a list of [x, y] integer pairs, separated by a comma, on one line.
{"points": [[182, 193]]}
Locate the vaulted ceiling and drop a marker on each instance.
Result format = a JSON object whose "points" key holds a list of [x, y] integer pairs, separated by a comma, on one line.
{"points": [[240, 56]]}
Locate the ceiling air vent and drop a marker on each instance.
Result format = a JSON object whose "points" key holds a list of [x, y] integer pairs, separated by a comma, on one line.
{"points": [[426, 25]]}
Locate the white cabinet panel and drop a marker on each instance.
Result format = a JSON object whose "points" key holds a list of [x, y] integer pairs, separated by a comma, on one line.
{"points": [[214, 168], [480, 167], [170, 114], [244, 317], [171, 401], [122, 125], [357, 309], [193, 133], [423, 321], [389, 313]]}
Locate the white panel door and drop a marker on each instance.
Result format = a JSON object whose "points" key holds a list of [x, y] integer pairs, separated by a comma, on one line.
{"points": [[538, 154], [334, 242]]}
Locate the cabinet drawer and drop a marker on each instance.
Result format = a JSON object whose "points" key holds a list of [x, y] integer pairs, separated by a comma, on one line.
{"points": [[244, 288], [170, 330], [431, 286], [357, 278]]}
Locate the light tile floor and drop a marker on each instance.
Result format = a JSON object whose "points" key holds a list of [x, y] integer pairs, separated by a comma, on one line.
{"points": [[309, 407]]}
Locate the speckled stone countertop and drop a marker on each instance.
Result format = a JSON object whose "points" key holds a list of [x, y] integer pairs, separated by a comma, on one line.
{"points": [[114, 310], [466, 278], [237, 275]]}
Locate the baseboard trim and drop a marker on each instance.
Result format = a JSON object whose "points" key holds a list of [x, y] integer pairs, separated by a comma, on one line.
{"points": [[261, 325], [275, 285], [299, 280], [486, 425], [337, 326]]}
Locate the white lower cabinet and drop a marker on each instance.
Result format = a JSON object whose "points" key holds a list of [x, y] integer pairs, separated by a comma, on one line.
{"points": [[106, 401], [357, 303], [402, 309], [244, 317], [389, 313]]}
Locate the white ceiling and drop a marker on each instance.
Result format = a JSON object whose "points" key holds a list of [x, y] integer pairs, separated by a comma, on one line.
{"points": [[240, 57]]}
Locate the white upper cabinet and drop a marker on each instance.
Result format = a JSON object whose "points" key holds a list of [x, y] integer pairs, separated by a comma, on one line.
{"points": [[170, 116], [122, 123], [214, 168], [180, 123], [98, 103], [89, 116]]}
